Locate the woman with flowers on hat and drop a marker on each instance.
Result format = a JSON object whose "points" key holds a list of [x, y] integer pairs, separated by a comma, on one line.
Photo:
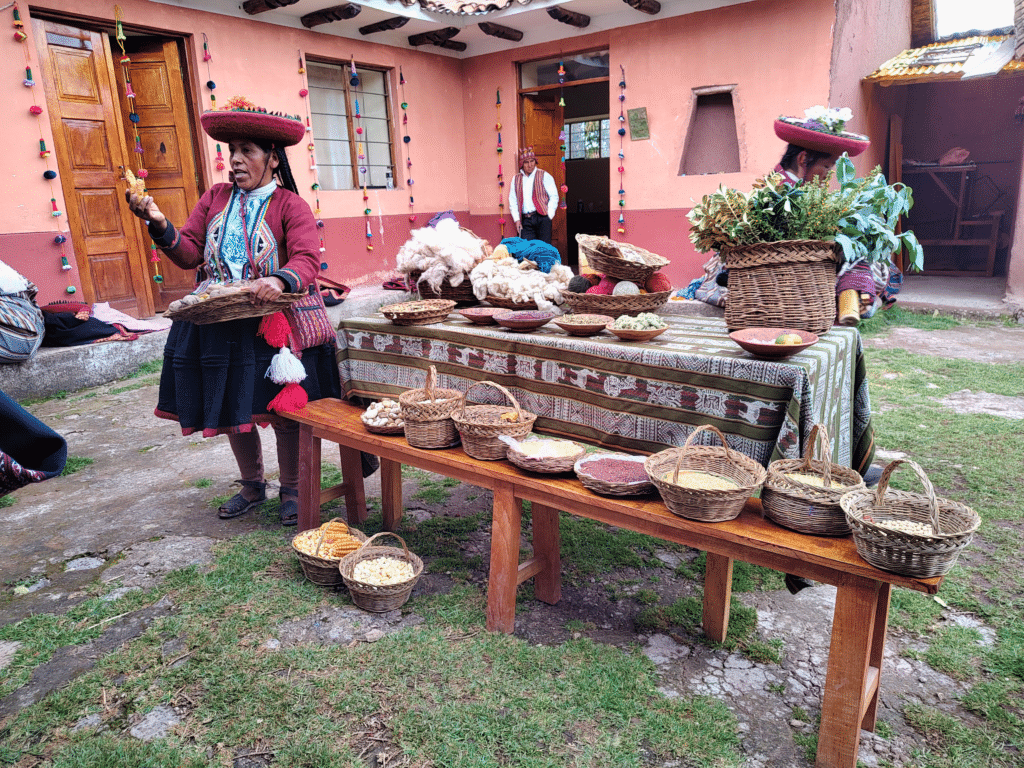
{"points": [[257, 229]]}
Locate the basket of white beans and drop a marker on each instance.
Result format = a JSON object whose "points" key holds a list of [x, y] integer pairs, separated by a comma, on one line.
{"points": [[912, 534], [384, 418], [380, 578]]}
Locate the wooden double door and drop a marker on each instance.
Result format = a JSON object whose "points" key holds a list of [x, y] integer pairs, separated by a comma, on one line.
{"points": [[94, 141]]}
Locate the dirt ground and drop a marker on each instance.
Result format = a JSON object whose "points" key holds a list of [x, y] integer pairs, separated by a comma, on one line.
{"points": [[142, 509]]}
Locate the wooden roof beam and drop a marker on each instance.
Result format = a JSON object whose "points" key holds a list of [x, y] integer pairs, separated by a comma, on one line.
{"points": [[497, 30], [653, 7], [327, 15], [252, 7], [434, 37], [395, 22], [571, 18]]}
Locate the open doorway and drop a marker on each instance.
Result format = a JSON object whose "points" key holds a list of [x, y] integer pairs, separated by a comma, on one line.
{"points": [[579, 108]]}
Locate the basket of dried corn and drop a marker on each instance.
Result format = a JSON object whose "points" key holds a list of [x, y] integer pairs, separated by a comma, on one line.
{"points": [[480, 425], [427, 414], [912, 534], [709, 483], [321, 549], [380, 579], [546, 455], [803, 494]]}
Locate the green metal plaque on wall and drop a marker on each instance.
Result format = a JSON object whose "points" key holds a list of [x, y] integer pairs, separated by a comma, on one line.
{"points": [[638, 128]]}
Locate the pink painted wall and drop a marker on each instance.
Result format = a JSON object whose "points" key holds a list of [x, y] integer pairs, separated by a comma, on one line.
{"points": [[259, 61], [743, 45]]}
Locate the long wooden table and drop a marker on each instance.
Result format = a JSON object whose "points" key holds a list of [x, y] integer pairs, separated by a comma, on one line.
{"points": [[861, 613]]}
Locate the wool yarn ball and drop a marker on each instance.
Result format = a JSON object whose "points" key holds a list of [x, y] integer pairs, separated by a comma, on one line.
{"points": [[605, 287], [657, 283], [579, 284], [625, 288]]}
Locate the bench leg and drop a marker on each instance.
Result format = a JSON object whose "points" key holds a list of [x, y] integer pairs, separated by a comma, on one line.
{"points": [[854, 660], [352, 477], [501, 583], [717, 596], [391, 493], [309, 478], [547, 584]]}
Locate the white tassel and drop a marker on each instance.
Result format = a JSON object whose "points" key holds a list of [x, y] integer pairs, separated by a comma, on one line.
{"points": [[285, 368]]}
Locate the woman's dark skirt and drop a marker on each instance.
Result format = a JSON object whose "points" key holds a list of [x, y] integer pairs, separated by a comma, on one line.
{"points": [[213, 379]]}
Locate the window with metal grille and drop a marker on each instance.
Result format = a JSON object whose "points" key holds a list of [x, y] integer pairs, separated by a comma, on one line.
{"points": [[334, 104], [587, 139]]}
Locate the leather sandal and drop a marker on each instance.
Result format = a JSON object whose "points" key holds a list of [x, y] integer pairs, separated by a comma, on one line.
{"points": [[289, 498], [238, 504]]}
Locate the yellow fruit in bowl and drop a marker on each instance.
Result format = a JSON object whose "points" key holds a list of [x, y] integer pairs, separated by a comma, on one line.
{"points": [[789, 339]]}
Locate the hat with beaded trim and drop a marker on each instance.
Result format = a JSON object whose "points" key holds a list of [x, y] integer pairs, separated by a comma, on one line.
{"points": [[821, 130], [241, 119], [526, 154]]}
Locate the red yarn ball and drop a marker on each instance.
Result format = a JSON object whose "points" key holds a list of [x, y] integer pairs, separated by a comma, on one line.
{"points": [[605, 287]]}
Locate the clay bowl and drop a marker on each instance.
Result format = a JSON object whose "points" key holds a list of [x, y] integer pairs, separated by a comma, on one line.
{"points": [[482, 315], [631, 335], [523, 320], [583, 325], [761, 341]]}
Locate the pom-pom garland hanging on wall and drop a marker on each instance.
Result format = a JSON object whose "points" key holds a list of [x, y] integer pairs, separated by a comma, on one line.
{"points": [[361, 156], [211, 86], [501, 177], [133, 115], [321, 229], [60, 238], [622, 154], [563, 189], [408, 149]]}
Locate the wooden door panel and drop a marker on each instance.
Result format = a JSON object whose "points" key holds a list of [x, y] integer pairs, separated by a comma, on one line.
{"points": [[542, 123], [110, 272], [160, 148], [89, 149], [173, 203], [152, 89]]}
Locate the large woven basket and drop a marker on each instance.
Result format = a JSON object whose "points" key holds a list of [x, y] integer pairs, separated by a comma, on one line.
{"points": [[921, 556], [232, 306], [462, 294], [427, 414], [322, 570], [605, 487], [600, 304], [500, 301], [480, 425], [706, 505], [424, 312], [608, 257], [787, 284], [808, 508], [379, 598]]}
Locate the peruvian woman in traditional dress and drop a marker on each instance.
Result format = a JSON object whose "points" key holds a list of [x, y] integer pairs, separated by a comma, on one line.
{"points": [[256, 229]]}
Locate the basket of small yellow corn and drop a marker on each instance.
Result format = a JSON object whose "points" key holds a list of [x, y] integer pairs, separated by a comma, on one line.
{"points": [[708, 483], [912, 534], [379, 578], [803, 494], [320, 550]]}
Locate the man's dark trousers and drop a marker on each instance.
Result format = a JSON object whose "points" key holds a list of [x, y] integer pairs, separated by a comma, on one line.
{"points": [[536, 227]]}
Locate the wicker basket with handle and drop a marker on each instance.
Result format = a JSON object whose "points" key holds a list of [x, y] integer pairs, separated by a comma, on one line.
{"points": [[318, 569], [427, 414], [708, 505], [480, 425], [802, 506], [379, 598], [786, 284], [950, 526]]}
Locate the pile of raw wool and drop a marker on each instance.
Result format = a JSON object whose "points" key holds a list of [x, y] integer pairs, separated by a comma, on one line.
{"points": [[507, 278], [442, 251]]}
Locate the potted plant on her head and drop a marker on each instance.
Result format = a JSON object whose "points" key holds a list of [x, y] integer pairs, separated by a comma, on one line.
{"points": [[782, 242]]}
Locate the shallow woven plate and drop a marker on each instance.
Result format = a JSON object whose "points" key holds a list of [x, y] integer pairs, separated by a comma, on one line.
{"points": [[232, 306], [761, 341], [629, 334], [527, 320], [418, 312], [583, 325]]}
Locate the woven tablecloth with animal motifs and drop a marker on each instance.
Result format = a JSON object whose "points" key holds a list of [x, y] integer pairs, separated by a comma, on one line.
{"points": [[634, 396]]}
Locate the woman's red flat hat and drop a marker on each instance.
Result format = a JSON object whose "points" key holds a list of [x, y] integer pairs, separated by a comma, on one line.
{"points": [[224, 125], [830, 143]]}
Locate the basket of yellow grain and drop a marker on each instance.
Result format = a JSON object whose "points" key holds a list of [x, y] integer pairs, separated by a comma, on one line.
{"points": [[544, 455], [321, 549], [380, 578], [912, 534], [803, 494], [708, 483]]}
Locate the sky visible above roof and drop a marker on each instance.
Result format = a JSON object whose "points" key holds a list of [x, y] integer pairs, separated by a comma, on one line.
{"points": [[953, 16]]}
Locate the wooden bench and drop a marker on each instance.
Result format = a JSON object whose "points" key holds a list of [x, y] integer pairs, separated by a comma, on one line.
{"points": [[861, 613]]}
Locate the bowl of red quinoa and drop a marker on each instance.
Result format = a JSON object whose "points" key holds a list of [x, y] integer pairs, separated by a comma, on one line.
{"points": [[614, 474]]}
